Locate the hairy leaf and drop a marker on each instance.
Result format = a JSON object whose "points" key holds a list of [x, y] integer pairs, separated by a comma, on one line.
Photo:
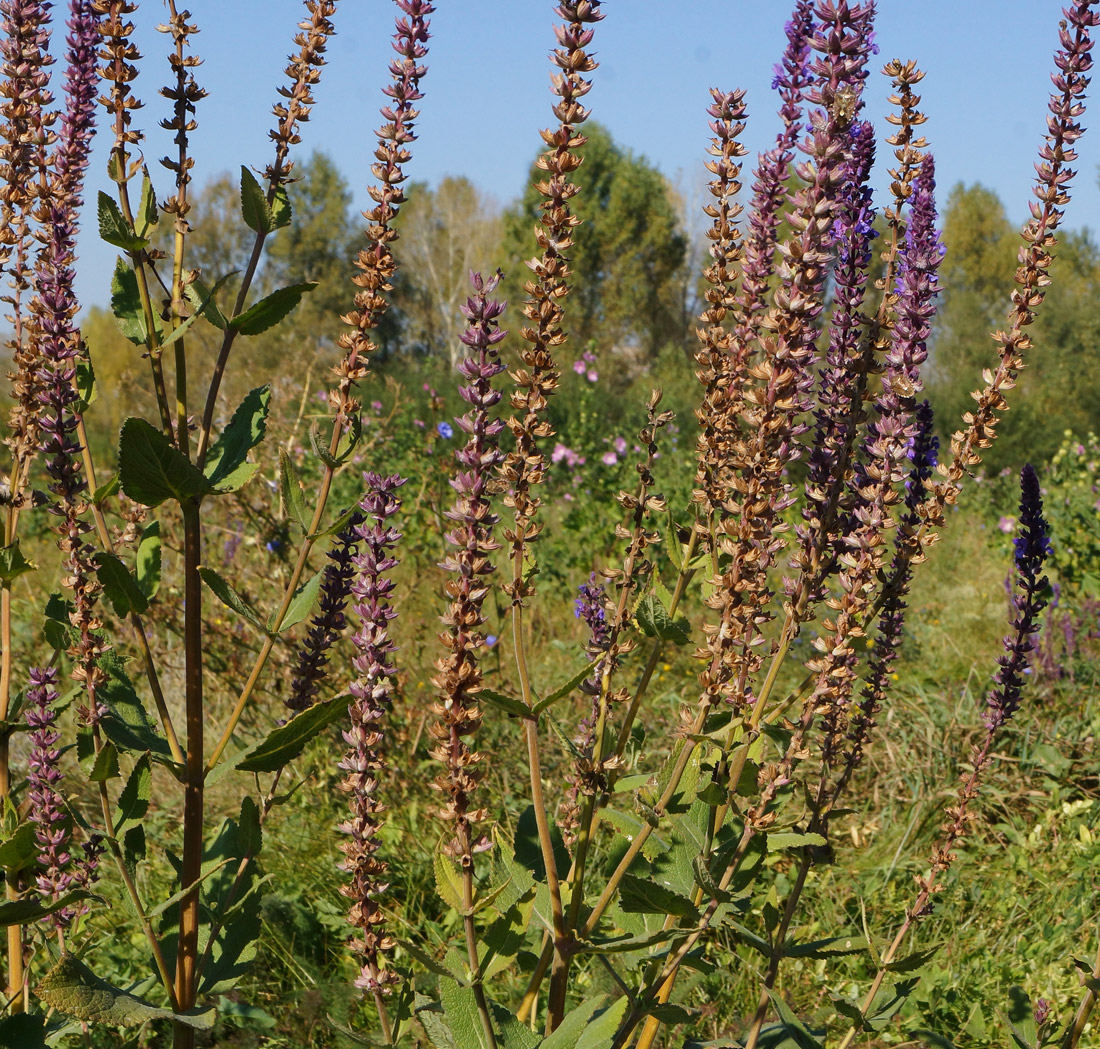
{"points": [[255, 209], [13, 564], [286, 742], [113, 227], [119, 585], [229, 597], [245, 430], [151, 470], [149, 560], [270, 310]]}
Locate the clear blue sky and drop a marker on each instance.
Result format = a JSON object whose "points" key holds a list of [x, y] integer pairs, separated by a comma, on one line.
{"points": [[487, 89]]}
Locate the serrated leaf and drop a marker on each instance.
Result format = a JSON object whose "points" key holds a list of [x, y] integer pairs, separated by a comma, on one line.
{"points": [[448, 885], [286, 742], [913, 961], [830, 947], [20, 850], [113, 227], [229, 597], [245, 430], [270, 310], [1021, 1019], [127, 723], [255, 209], [133, 802], [793, 840], [509, 704], [305, 597], [628, 943], [463, 1017], [147, 216], [338, 525], [644, 896], [126, 304], [654, 621], [204, 300], [290, 491], [72, 988], [148, 561], [564, 689], [13, 564], [119, 585], [106, 764], [281, 211], [151, 470]]}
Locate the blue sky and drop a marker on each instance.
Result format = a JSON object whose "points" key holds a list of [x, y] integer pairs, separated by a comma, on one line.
{"points": [[487, 90]]}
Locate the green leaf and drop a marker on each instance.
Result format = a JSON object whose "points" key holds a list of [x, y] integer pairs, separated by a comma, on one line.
{"points": [[564, 689], [830, 947], [270, 310], [643, 896], [913, 961], [574, 1024], [280, 208], [149, 560], [1021, 1019], [509, 704], [13, 564], [86, 388], [286, 742], [627, 943], [654, 621], [119, 585], [113, 227], [23, 1031], [290, 491], [20, 850], [57, 629], [33, 908], [106, 764], [147, 216], [600, 1031], [151, 470], [72, 988], [245, 430], [133, 802], [126, 304], [448, 885], [529, 851], [204, 300], [127, 723], [430, 1015], [463, 1017], [179, 331], [208, 871], [246, 1016], [305, 597], [255, 209], [797, 1032], [338, 525], [106, 490], [249, 830], [231, 599], [793, 840]]}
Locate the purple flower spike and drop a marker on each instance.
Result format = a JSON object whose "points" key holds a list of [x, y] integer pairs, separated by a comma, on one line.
{"points": [[1032, 549], [47, 806], [371, 699]]}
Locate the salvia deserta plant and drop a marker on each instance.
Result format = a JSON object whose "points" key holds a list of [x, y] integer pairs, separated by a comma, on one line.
{"points": [[579, 921]]}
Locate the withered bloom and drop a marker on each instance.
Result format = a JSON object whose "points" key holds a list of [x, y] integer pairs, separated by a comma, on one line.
{"points": [[375, 262], [371, 691], [458, 676]]}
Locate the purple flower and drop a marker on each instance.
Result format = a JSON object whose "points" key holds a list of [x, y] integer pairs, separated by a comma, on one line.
{"points": [[1007, 524], [619, 444], [445, 430], [419, 423], [491, 640], [609, 458], [593, 376], [579, 366]]}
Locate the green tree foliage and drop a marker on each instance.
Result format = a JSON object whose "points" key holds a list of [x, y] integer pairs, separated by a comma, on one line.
{"points": [[1058, 391], [319, 245], [628, 252], [444, 233]]}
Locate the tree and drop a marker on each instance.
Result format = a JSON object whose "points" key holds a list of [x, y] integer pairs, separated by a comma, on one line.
{"points": [[1059, 388], [627, 253], [444, 233]]}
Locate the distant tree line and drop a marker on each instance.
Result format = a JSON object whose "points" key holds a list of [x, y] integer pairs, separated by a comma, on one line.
{"points": [[635, 285]]}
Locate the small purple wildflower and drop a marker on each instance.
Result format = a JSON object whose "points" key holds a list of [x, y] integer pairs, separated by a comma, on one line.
{"points": [[593, 375], [579, 366], [445, 430], [609, 459]]}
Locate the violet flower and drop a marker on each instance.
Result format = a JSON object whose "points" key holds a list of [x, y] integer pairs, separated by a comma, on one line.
{"points": [[459, 676], [328, 623], [47, 806], [371, 699]]}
